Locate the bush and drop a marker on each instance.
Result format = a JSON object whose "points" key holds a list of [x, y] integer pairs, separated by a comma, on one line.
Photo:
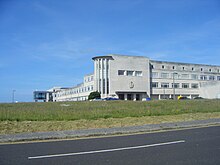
{"points": [[94, 95]]}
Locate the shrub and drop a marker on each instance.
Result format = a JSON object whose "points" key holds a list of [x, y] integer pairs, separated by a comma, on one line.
{"points": [[94, 95]]}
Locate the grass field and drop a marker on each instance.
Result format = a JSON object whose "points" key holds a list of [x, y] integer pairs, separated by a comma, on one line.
{"points": [[32, 117], [69, 111]]}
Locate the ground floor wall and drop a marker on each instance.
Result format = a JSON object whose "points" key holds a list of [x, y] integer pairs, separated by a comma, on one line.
{"points": [[170, 93], [210, 90]]}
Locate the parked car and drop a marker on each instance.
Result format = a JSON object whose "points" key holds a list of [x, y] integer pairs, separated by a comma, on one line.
{"points": [[198, 98], [110, 98], [183, 98]]}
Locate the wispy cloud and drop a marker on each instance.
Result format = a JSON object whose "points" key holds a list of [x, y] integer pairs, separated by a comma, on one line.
{"points": [[202, 40], [66, 49]]}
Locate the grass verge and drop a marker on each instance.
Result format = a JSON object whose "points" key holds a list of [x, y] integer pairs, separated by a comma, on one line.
{"points": [[12, 127], [40, 117], [70, 111]]}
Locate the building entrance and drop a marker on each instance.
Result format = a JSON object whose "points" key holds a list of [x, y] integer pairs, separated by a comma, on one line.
{"points": [[132, 96]]}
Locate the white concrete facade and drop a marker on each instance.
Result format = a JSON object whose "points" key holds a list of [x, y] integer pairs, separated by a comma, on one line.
{"points": [[139, 78], [127, 77], [77, 93]]}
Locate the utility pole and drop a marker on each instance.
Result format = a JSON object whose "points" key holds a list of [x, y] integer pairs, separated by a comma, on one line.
{"points": [[174, 98], [13, 95]]}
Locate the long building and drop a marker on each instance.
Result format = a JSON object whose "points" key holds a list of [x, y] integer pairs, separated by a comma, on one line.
{"points": [[139, 78]]}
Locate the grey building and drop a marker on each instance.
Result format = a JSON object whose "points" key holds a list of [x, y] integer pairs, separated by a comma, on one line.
{"points": [[139, 78]]}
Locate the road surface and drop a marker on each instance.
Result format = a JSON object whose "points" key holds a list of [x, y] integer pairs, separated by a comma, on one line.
{"points": [[191, 146]]}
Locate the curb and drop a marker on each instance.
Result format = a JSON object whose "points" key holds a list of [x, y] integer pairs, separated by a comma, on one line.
{"points": [[105, 131]]}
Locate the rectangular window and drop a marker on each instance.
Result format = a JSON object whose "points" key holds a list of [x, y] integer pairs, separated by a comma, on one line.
{"points": [[176, 85], [185, 85], [163, 66], [164, 85], [107, 86], [164, 75], [121, 72], [130, 73], [194, 76], [218, 78], [185, 76], [138, 73], [194, 85], [154, 75], [103, 86], [211, 77], [154, 84], [203, 77]]}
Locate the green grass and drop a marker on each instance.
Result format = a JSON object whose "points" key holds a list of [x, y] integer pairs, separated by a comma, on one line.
{"points": [[70, 111]]}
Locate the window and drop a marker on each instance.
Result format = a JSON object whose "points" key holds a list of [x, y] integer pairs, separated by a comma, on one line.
{"points": [[164, 85], [154, 75], [183, 68], [203, 77], [130, 73], [192, 69], [121, 72], [211, 77], [103, 86], [194, 85], [201, 69], [176, 85], [185, 76], [138, 73], [164, 75], [210, 70], [154, 84], [218, 78], [185, 85], [163, 66], [152, 67], [194, 76], [173, 67]]}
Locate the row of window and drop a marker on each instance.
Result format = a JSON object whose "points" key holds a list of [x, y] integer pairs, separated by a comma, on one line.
{"points": [[129, 73], [176, 85], [75, 91], [185, 76], [88, 79], [188, 68]]}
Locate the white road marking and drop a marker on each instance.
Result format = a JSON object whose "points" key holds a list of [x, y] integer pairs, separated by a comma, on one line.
{"points": [[107, 150]]}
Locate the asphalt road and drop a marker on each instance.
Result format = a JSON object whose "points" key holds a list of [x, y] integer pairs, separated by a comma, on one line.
{"points": [[192, 146]]}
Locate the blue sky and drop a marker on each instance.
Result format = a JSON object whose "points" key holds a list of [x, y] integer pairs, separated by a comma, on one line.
{"points": [[46, 43]]}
